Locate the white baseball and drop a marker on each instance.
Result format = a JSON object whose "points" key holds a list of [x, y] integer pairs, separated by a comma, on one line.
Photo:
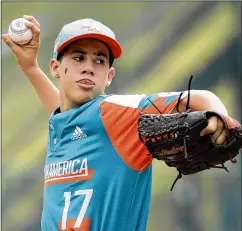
{"points": [[18, 31]]}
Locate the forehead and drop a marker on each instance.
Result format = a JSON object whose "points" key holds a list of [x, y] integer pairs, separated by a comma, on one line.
{"points": [[89, 45]]}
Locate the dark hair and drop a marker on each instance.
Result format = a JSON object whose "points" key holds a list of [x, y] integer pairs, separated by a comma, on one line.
{"points": [[111, 58]]}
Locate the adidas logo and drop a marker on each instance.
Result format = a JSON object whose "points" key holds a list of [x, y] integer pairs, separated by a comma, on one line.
{"points": [[78, 134]]}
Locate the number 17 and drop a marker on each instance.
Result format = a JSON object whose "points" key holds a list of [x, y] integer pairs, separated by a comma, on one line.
{"points": [[88, 195]]}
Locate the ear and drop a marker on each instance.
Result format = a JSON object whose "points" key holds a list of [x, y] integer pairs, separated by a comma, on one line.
{"points": [[54, 68], [110, 76], [108, 83]]}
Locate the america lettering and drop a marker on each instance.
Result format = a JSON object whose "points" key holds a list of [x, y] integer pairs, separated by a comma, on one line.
{"points": [[67, 171]]}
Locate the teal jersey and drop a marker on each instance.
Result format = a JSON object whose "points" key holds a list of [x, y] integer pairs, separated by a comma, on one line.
{"points": [[97, 173]]}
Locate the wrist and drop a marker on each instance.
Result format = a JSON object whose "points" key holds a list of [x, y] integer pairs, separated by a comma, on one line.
{"points": [[30, 68]]}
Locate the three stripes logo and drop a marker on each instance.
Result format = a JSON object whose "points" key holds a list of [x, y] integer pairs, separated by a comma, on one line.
{"points": [[78, 134]]}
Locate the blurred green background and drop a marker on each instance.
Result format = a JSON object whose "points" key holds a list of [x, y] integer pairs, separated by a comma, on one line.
{"points": [[164, 43]]}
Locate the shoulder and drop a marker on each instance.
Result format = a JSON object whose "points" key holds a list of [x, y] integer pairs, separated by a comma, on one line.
{"points": [[132, 101]]}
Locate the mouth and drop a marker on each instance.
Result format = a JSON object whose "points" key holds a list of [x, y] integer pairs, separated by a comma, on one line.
{"points": [[85, 83]]}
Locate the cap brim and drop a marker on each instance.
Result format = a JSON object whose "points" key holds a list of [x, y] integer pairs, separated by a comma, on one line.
{"points": [[112, 43]]}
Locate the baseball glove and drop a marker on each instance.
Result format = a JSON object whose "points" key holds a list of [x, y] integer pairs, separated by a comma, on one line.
{"points": [[175, 139]]}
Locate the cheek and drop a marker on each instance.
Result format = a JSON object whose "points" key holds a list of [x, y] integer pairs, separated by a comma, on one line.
{"points": [[103, 75], [66, 78], [102, 79], [69, 68], [68, 72]]}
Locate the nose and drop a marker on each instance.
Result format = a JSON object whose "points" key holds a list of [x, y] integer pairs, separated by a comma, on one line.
{"points": [[88, 69]]}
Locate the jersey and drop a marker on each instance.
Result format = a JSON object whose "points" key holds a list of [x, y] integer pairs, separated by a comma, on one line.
{"points": [[98, 173]]}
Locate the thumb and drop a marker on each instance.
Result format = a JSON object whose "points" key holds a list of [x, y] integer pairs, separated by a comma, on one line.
{"points": [[211, 127], [9, 42]]}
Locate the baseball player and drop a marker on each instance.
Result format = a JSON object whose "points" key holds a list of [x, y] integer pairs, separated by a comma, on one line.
{"points": [[97, 172]]}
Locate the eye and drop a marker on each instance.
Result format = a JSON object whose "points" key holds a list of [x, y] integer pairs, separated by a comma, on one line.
{"points": [[99, 61], [79, 58]]}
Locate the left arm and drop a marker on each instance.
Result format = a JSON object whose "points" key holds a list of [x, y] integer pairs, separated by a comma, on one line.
{"points": [[202, 100]]}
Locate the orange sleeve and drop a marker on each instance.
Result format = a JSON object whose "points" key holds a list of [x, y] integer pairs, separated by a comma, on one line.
{"points": [[120, 118]]}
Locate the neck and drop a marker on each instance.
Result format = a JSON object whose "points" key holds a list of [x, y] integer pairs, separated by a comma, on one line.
{"points": [[66, 107], [66, 104]]}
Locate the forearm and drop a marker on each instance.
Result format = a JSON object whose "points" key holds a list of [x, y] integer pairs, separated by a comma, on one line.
{"points": [[201, 100], [45, 89], [26, 57]]}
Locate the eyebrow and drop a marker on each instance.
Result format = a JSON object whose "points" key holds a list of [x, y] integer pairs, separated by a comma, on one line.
{"points": [[99, 53]]}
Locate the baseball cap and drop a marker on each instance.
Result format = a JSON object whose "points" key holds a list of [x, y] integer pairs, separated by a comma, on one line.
{"points": [[86, 28]]}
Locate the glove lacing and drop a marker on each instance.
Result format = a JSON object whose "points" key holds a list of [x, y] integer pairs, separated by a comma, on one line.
{"points": [[179, 176], [188, 109]]}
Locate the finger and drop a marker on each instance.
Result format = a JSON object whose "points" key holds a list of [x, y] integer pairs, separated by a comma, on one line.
{"points": [[9, 42], [32, 19], [212, 125], [222, 138], [219, 130], [35, 31]]}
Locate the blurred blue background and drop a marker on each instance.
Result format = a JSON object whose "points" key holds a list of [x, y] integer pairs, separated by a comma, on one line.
{"points": [[164, 43]]}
